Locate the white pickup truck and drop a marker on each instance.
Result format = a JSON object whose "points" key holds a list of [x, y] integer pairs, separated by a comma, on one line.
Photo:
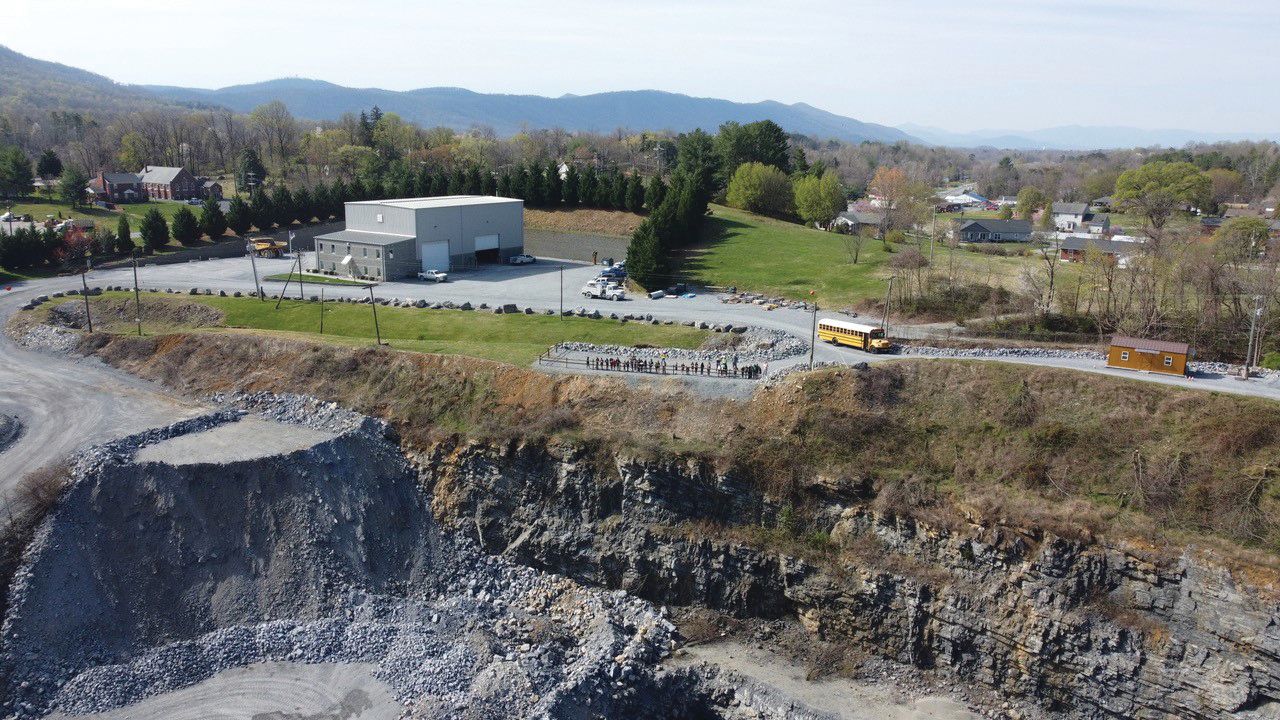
{"points": [[433, 275], [604, 290]]}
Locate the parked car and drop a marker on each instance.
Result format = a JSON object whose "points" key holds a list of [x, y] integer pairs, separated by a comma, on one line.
{"points": [[604, 289], [522, 259], [433, 275], [7, 217], [194, 201], [614, 273]]}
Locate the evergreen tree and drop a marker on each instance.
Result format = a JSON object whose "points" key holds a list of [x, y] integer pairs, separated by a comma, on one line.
{"points": [[250, 172], [212, 222], [474, 181], [239, 216], [186, 229], [356, 191], [305, 206], [260, 209], [572, 190], [654, 194], [555, 186], [124, 235], [504, 185], [338, 196], [635, 193], [440, 185], [645, 256], [49, 165], [537, 186], [520, 183], [619, 187], [320, 202], [488, 183], [457, 182], [588, 186], [71, 187], [154, 231], [15, 172], [283, 209]]}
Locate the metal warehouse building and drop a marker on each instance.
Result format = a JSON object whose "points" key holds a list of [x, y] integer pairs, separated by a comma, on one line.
{"points": [[389, 239]]}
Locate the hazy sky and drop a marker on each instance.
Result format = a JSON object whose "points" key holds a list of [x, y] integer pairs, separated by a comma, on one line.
{"points": [[958, 64]]}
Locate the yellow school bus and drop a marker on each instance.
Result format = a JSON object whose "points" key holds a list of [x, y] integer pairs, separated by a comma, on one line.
{"points": [[864, 337]]}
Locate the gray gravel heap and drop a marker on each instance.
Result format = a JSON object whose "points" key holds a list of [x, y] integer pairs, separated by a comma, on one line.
{"points": [[750, 298], [152, 577], [753, 344]]}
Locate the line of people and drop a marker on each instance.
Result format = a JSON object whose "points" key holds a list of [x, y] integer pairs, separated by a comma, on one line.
{"points": [[660, 366]]}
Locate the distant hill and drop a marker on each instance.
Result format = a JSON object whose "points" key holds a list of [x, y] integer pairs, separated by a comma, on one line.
{"points": [[1076, 137], [507, 114], [27, 83]]}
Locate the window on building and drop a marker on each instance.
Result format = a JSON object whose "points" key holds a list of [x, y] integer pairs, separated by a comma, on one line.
{"points": [[1124, 355], [391, 254], [1168, 361], [377, 254], [364, 252]]}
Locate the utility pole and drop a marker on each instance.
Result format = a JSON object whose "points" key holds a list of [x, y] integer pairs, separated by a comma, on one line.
{"points": [[887, 295], [321, 308], [1253, 324], [562, 291], [933, 236], [257, 289], [813, 334], [137, 296], [374, 304], [87, 316]]}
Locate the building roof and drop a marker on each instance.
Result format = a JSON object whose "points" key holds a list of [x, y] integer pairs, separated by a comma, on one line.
{"points": [[211, 183], [1067, 208], [159, 174], [1111, 247], [859, 217], [1141, 344], [362, 237], [998, 226], [441, 201], [119, 178], [1104, 200]]}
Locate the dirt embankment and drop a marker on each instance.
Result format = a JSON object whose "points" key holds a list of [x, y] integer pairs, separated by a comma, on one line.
{"points": [[1079, 454], [110, 312], [584, 220]]}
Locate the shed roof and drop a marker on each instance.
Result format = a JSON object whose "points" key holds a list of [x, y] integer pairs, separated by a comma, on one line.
{"points": [[858, 217], [361, 237], [998, 226], [1067, 208], [1142, 344], [1110, 247]]}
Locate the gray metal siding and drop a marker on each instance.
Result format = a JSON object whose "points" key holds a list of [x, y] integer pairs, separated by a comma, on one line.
{"points": [[396, 221]]}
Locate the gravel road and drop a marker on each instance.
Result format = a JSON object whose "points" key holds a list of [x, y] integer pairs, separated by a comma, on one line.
{"points": [[68, 403]]}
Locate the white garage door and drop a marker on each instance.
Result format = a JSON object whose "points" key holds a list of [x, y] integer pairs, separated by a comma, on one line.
{"points": [[434, 255], [486, 242]]}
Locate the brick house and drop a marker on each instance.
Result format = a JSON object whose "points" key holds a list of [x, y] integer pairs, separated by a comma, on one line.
{"points": [[116, 187], [170, 183]]}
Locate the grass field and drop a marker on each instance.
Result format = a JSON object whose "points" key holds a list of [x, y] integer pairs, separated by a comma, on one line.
{"points": [[311, 279], [752, 252], [516, 339], [761, 254]]}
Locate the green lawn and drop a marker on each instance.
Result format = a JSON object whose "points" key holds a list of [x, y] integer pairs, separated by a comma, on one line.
{"points": [[516, 339], [311, 279], [756, 253]]}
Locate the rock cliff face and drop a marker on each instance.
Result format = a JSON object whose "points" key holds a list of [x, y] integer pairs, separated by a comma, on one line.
{"points": [[1080, 629]]}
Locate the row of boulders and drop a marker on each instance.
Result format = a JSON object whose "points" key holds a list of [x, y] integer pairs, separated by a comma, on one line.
{"points": [[750, 298]]}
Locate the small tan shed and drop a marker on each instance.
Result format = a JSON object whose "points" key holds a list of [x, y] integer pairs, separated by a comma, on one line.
{"points": [[1158, 356]]}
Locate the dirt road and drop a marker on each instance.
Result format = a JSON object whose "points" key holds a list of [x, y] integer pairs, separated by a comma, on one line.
{"points": [[69, 403]]}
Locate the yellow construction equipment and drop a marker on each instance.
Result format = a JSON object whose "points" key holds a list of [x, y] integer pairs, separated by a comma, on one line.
{"points": [[266, 247]]}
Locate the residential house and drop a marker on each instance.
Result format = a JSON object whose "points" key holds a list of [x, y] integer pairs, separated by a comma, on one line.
{"points": [[170, 183], [1097, 223], [1073, 249], [211, 189], [858, 222], [987, 230], [1102, 204], [1069, 217], [116, 187]]}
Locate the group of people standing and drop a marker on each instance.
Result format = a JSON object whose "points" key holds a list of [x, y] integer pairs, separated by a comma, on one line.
{"points": [[721, 367]]}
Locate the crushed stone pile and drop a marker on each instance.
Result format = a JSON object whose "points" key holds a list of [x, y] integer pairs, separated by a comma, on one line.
{"points": [[149, 577]]}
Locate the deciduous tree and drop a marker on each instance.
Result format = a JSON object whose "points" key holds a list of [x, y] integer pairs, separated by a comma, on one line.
{"points": [[1157, 189], [72, 186], [819, 200], [762, 189]]}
